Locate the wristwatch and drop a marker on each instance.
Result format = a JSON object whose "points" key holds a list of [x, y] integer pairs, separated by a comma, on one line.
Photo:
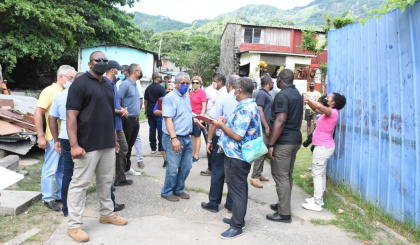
{"points": [[269, 146]]}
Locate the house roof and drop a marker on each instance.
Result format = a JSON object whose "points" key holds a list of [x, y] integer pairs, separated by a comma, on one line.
{"points": [[155, 55], [278, 27]]}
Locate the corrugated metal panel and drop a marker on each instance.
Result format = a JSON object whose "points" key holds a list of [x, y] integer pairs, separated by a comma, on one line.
{"points": [[377, 67]]}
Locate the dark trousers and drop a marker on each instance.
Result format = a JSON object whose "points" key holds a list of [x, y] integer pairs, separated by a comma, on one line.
{"points": [[218, 178], [68, 165], [121, 157], [152, 120], [131, 128], [160, 133], [236, 178], [214, 141]]}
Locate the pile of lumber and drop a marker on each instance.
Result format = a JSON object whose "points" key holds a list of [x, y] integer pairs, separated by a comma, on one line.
{"points": [[12, 122]]}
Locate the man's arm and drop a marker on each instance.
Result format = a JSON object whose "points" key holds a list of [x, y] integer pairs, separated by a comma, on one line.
{"points": [[141, 103], [176, 145], [212, 130], [52, 122], [278, 127], [263, 121], [39, 125], [77, 152]]}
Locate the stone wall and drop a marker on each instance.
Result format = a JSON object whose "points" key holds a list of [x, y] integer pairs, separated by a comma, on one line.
{"points": [[229, 50]]}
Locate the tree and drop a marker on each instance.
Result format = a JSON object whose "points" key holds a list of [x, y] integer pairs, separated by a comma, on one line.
{"points": [[43, 34], [388, 7]]}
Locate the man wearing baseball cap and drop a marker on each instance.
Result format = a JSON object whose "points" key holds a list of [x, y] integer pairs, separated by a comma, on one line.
{"points": [[121, 159]]}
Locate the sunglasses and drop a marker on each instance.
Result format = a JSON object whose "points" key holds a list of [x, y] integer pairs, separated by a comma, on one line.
{"points": [[185, 83], [97, 59], [195, 82]]}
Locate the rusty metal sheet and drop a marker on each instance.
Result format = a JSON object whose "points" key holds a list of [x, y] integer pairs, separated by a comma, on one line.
{"points": [[377, 67]]}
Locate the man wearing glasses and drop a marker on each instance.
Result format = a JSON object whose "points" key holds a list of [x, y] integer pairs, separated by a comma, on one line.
{"points": [[93, 142], [177, 127], [152, 94], [65, 74]]}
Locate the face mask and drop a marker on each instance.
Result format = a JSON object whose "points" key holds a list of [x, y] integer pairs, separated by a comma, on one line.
{"points": [[183, 89], [325, 102], [311, 87], [67, 85], [141, 75], [121, 76], [167, 92], [195, 86], [100, 67]]}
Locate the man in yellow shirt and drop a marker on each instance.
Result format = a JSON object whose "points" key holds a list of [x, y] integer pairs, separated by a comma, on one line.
{"points": [[51, 167], [310, 115]]}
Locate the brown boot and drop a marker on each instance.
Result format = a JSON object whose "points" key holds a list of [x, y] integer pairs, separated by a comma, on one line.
{"points": [[114, 219], [262, 178], [140, 165], [78, 234], [256, 183]]}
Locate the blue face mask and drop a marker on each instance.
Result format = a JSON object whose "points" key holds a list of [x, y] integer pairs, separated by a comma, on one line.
{"points": [[121, 76], [184, 88], [67, 85]]}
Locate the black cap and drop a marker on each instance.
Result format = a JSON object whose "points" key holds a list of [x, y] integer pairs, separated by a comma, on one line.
{"points": [[112, 64]]}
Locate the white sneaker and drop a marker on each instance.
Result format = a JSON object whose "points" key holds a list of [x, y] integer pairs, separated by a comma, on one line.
{"points": [[312, 206], [132, 172], [311, 199], [154, 152]]}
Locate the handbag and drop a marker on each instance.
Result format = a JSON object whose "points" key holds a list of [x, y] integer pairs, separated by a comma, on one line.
{"points": [[253, 149]]}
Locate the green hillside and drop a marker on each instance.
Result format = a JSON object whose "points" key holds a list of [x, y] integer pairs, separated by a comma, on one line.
{"points": [[310, 15], [157, 23]]}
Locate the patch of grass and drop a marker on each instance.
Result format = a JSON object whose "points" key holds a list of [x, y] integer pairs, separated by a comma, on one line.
{"points": [[351, 219], [198, 190], [142, 116], [34, 239]]}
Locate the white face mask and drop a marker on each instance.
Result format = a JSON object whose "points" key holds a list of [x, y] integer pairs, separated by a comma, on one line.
{"points": [[67, 84]]}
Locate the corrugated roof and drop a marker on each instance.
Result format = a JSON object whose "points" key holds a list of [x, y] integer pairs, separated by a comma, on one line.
{"points": [[123, 45], [278, 27]]}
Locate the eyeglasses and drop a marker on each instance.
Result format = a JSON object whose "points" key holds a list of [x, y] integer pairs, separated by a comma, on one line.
{"points": [[195, 82], [185, 83], [70, 78], [97, 59]]}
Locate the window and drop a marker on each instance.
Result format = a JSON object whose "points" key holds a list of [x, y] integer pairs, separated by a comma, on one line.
{"points": [[252, 35]]}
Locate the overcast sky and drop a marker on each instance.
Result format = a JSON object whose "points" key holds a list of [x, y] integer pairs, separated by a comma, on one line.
{"points": [[190, 10]]}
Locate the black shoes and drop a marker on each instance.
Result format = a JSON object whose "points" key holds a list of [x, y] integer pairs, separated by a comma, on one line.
{"points": [[52, 205], [279, 218], [164, 164], [308, 141], [208, 207], [124, 182], [274, 207], [118, 207]]}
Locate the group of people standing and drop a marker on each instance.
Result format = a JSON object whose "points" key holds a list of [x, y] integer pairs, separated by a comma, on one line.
{"points": [[99, 125]]}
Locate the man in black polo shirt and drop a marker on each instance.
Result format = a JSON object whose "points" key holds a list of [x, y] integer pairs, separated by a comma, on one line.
{"points": [[264, 102], [284, 143], [153, 92], [92, 136]]}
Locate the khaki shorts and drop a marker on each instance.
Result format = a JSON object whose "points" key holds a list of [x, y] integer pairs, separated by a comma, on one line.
{"points": [[310, 115]]}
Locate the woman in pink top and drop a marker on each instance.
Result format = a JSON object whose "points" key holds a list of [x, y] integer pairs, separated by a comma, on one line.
{"points": [[323, 141], [198, 100]]}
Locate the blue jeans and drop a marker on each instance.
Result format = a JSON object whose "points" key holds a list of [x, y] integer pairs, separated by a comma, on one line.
{"points": [[67, 161], [218, 177], [50, 168], [178, 166]]}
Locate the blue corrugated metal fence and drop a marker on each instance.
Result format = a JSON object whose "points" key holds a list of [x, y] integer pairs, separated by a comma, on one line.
{"points": [[377, 67]]}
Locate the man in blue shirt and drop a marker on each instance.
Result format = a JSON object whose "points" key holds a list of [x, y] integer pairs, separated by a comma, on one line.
{"points": [[121, 158], [242, 126], [224, 107], [177, 126], [130, 99]]}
